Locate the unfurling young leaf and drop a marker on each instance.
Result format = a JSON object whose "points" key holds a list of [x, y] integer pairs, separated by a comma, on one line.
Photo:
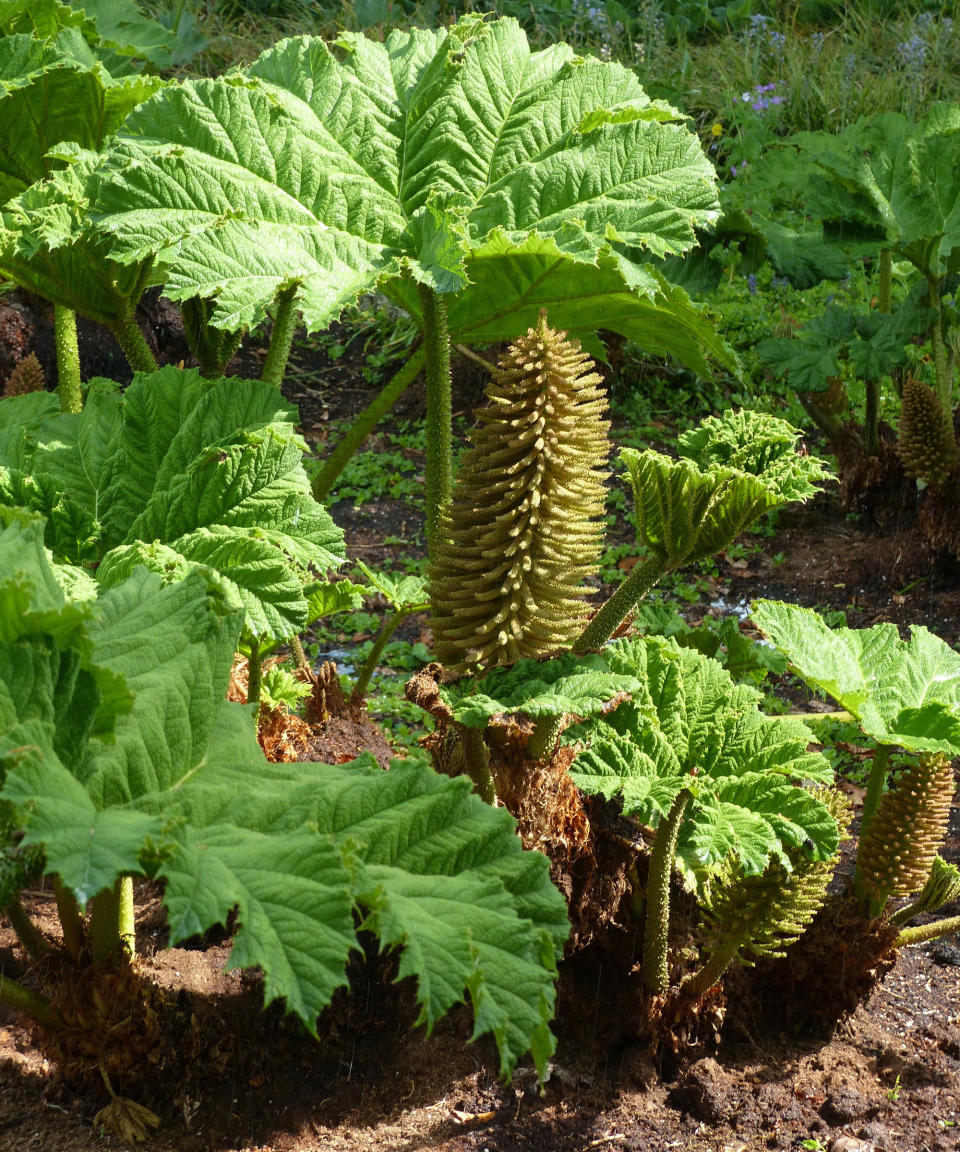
{"points": [[731, 470]]}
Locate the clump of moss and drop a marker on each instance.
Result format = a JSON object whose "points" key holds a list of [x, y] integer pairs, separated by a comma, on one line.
{"points": [[524, 527]]}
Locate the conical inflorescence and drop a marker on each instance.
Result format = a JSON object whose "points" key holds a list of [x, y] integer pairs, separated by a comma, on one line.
{"points": [[26, 377], [928, 446], [763, 915], [524, 527], [898, 849]]}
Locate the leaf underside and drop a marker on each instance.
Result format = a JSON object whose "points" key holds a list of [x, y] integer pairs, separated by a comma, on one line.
{"points": [[900, 692]]}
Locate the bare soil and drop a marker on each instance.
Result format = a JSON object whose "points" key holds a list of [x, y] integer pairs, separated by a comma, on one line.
{"points": [[886, 1078]]}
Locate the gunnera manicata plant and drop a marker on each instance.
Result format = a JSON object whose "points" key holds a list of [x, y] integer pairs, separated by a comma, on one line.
{"points": [[524, 527]]}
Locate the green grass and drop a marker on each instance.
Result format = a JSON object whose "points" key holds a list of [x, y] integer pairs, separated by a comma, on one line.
{"points": [[833, 62]]}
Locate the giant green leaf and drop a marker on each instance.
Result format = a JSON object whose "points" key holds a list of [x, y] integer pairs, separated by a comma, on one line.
{"points": [[178, 784], [579, 685], [690, 728], [43, 18], [175, 473], [47, 98], [901, 178], [450, 156], [48, 247], [510, 281], [117, 33], [431, 877], [900, 692], [122, 26]]}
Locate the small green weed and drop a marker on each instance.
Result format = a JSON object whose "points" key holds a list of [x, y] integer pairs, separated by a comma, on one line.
{"points": [[403, 722], [392, 466]]}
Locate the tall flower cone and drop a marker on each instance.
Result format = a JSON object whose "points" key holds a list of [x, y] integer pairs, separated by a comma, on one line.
{"points": [[524, 527], [26, 377], [928, 446], [898, 849]]}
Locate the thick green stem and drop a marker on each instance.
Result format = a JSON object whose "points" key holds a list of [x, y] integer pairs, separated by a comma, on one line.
{"points": [[27, 932], [830, 425], [876, 785], [816, 717], [944, 384], [439, 468], [254, 672], [885, 285], [618, 607], [111, 921], [284, 325], [875, 788], [391, 624], [131, 340], [126, 916], [296, 650], [68, 359], [544, 739], [907, 913], [871, 418], [365, 423], [476, 756], [31, 1004], [71, 921], [656, 974], [718, 962], [922, 933]]}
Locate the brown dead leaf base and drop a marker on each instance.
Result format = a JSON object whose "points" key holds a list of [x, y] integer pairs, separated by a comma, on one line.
{"points": [[333, 730], [832, 968]]}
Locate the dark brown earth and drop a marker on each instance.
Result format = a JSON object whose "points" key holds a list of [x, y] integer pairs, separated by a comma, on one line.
{"points": [[888, 1078]]}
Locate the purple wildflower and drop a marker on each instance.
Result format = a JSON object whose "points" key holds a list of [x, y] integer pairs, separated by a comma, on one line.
{"points": [[913, 52], [752, 284]]}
